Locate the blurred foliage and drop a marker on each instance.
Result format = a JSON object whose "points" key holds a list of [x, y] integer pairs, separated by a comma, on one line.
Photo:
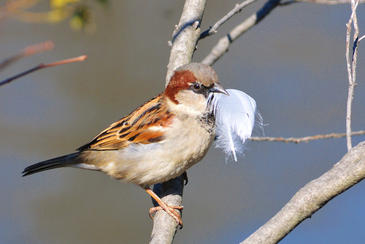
{"points": [[78, 12]]}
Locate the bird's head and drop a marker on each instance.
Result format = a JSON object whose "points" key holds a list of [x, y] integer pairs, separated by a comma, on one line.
{"points": [[190, 86]]}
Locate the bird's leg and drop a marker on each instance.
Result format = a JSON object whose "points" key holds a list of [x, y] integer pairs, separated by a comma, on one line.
{"points": [[168, 209]]}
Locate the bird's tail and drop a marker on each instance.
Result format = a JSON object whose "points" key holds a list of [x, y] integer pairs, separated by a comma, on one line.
{"points": [[63, 161]]}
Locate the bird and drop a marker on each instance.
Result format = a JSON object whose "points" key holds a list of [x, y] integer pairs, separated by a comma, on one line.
{"points": [[158, 141]]}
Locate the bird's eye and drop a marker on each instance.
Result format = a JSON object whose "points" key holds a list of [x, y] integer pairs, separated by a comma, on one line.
{"points": [[196, 86]]}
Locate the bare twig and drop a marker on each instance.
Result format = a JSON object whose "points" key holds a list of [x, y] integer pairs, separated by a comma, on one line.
{"points": [[30, 50], [237, 8], [351, 61], [314, 195], [328, 2], [223, 44], [306, 138], [42, 66], [184, 42], [351, 85], [361, 38]]}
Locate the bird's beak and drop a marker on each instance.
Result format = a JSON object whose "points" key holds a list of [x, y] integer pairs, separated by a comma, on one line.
{"points": [[218, 88]]}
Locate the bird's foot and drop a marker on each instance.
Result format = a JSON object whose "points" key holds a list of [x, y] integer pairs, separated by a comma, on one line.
{"points": [[163, 206], [169, 210]]}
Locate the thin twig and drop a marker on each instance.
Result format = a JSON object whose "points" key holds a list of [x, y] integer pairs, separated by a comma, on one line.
{"points": [[223, 44], [313, 196], [350, 88], [361, 38], [327, 2], [351, 61], [237, 9], [307, 138], [42, 66], [30, 50]]}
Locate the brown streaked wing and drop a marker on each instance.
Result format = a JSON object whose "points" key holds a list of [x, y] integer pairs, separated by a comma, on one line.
{"points": [[134, 128]]}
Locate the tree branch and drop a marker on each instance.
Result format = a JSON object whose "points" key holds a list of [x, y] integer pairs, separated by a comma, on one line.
{"points": [[164, 227], [313, 196], [184, 42], [42, 66], [307, 138], [327, 2], [351, 61], [237, 9], [30, 50], [223, 44], [186, 35]]}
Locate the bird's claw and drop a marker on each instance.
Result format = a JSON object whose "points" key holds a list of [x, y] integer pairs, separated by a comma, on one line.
{"points": [[169, 210]]}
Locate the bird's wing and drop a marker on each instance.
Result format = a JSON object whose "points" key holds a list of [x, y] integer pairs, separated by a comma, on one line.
{"points": [[143, 126]]}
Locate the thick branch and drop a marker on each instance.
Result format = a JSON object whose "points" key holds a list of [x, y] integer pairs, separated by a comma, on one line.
{"points": [[344, 174], [186, 35], [184, 42], [164, 227]]}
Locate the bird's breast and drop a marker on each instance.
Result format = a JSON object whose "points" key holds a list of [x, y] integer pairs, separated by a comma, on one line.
{"points": [[185, 143], [190, 141]]}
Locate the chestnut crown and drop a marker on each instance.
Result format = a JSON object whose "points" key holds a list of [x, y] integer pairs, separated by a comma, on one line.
{"points": [[196, 77]]}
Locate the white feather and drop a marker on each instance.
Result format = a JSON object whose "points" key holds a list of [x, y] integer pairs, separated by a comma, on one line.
{"points": [[234, 119]]}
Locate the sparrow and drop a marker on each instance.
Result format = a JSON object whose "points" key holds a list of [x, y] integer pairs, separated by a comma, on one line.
{"points": [[158, 141]]}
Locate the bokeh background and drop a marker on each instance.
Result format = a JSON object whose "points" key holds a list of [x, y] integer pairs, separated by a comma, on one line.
{"points": [[292, 63]]}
